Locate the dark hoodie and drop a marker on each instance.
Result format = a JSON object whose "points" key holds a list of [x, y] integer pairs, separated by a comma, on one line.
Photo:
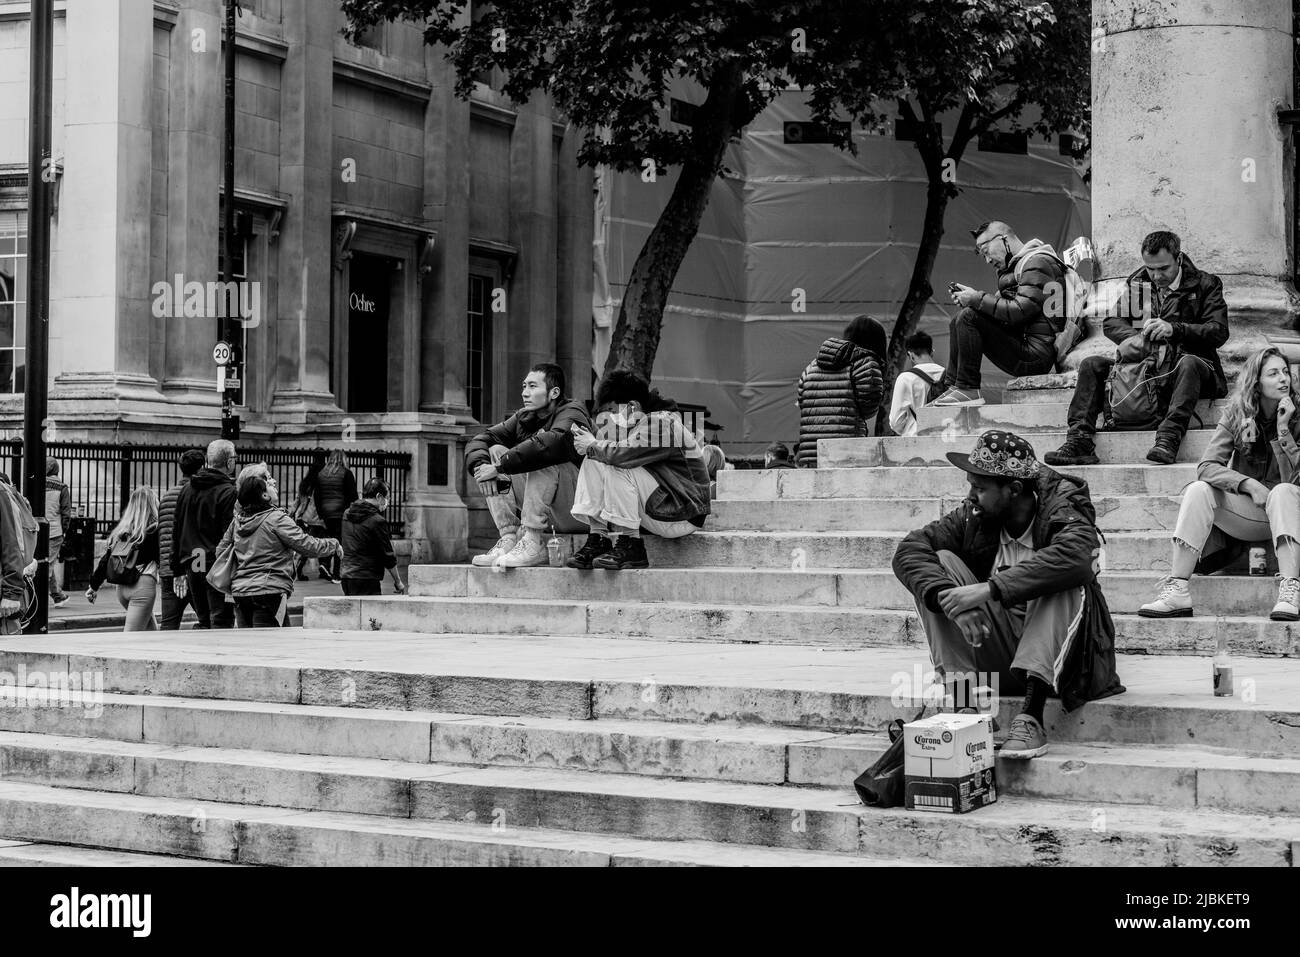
{"points": [[536, 440], [367, 547], [839, 394], [203, 513], [1065, 556], [266, 542]]}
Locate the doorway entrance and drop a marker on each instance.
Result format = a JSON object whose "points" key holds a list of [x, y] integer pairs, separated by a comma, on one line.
{"points": [[369, 288]]}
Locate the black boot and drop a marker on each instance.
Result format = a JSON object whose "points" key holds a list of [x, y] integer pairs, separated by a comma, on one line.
{"points": [[596, 546], [1078, 449], [1165, 451], [627, 553]]}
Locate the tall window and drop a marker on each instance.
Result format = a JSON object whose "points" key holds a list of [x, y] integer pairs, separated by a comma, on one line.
{"points": [[13, 301], [478, 385], [239, 273]]}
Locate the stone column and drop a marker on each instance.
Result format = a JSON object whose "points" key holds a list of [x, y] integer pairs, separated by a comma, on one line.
{"points": [[1185, 137], [307, 180], [573, 297], [102, 325], [531, 302]]}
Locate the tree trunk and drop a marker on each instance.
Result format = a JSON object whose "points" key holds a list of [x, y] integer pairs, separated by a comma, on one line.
{"points": [[919, 289], [640, 315]]}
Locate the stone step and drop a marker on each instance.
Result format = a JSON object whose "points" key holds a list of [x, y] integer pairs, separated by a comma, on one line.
{"points": [[1113, 448], [1174, 777], [28, 854], [1024, 417], [1168, 701], [1124, 551], [1118, 513], [718, 751], [251, 834], [906, 483], [1034, 396], [827, 627], [512, 801], [871, 588]]}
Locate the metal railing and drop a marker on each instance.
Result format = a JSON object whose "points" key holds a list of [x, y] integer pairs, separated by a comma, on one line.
{"points": [[100, 477]]}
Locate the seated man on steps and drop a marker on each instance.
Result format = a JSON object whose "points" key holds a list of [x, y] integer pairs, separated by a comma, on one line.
{"points": [[1007, 585], [1009, 326], [1188, 314], [643, 470], [527, 469]]}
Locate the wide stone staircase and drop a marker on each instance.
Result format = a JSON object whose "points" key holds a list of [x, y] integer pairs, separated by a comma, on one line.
{"points": [[710, 710]]}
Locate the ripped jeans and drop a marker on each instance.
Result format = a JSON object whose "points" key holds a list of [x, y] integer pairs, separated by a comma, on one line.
{"points": [[1206, 511]]}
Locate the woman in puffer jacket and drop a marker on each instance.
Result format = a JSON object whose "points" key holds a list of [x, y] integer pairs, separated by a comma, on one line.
{"points": [[839, 393], [267, 543]]}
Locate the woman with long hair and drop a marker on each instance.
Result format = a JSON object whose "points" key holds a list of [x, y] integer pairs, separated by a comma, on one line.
{"points": [[839, 392], [132, 559], [1245, 491], [304, 509], [336, 489]]}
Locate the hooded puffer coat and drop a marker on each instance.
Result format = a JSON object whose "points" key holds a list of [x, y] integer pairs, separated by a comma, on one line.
{"points": [[839, 394]]}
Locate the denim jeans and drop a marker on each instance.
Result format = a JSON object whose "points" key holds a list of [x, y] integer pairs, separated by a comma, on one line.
{"points": [[138, 600], [1206, 509], [973, 335], [537, 499], [173, 608], [608, 496], [1192, 380], [56, 568], [210, 605]]}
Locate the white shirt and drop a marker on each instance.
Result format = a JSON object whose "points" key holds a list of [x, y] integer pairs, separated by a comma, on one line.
{"points": [[1013, 551], [909, 396]]}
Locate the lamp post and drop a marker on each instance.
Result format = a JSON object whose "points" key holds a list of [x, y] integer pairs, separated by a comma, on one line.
{"points": [[228, 325], [40, 179]]}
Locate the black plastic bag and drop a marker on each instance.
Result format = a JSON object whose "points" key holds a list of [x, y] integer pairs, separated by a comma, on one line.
{"points": [[881, 785]]}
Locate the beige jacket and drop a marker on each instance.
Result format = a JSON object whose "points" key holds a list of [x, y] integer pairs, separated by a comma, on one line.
{"points": [[1226, 467]]}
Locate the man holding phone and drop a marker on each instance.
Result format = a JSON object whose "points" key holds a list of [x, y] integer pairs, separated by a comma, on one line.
{"points": [[1009, 326], [527, 469]]}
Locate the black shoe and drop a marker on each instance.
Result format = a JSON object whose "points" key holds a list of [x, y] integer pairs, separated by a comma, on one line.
{"points": [[1077, 450], [1166, 449], [596, 546], [627, 553]]}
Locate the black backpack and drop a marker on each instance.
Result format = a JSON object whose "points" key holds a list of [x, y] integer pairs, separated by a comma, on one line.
{"points": [[121, 568], [935, 387]]}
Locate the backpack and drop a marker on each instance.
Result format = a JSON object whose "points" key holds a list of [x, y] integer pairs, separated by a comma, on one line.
{"points": [[23, 520], [1072, 323], [121, 569], [935, 388], [1134, 395]]}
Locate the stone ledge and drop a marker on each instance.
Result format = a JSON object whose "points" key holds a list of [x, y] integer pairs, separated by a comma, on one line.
{"points": [[1050, 380]]}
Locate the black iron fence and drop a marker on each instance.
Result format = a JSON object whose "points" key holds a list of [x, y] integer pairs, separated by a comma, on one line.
{"points": [[100, 477]]}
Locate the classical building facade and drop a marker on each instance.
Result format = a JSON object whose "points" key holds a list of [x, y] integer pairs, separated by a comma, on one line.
{"points": [[411, 253]]}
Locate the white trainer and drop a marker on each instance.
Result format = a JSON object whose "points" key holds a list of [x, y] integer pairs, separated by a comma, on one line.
{"points": [[527, 553], [503, 546], [957, 398], [1288, 601], [1174, 601]]}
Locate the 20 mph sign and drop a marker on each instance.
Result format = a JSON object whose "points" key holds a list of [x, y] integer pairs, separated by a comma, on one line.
{"points": [[222, 353]]}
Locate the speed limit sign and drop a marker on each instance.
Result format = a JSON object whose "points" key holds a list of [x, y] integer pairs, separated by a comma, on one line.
{"points": [[222, 353]]}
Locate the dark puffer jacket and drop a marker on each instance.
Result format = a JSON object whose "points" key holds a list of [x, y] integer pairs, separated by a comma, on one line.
{"points": [[1065, 554], [839, 394], [1018, 303]]}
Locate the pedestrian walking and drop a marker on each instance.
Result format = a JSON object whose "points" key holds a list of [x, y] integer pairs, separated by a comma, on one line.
{"points": [[173, 606], [204, 510], [336, 489], [58, 513], [367, 546], [131, 561]]}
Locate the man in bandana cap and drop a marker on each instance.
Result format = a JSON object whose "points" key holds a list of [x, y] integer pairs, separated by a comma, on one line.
{"points": [[1006, 584]]}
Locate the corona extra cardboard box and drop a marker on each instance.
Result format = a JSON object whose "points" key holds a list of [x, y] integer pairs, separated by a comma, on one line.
{"points": [[948, 763]]}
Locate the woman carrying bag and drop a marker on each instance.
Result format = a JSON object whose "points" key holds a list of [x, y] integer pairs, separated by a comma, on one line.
{"points": [[131, 561], [257, 554]]}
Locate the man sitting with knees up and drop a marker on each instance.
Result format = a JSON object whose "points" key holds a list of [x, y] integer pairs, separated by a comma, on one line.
{"points": [[527, 468], [1006, 585], [643, 470]]}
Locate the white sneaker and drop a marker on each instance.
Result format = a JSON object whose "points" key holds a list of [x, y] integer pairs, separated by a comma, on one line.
{"points": [[1288, 601], [488, 558], [527, 553], [1174, 601], [956, 397]]}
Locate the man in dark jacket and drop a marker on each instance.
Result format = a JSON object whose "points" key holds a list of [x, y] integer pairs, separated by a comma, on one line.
{"points": [[1009, 326], [173, 607], [58, 512], [839, 392], [367, 547], [204, 510], [1189, 314], [527, 469], [1006, 586]]}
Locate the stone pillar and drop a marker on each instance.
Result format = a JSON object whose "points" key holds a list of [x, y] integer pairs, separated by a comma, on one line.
{"points": [[194, 174], [573, 297], [445, 288], [307, 179], [531, 303], [1185, 137], [102, 325]]}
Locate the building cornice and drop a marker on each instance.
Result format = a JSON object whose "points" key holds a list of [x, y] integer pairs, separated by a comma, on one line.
{"points": [[384, 82]]}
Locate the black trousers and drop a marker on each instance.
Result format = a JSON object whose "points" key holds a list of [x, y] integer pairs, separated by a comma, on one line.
{"points": [[210, 605], [259, 611], [173, 608], [973, 335], [362, 586], [1192, 380]]}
